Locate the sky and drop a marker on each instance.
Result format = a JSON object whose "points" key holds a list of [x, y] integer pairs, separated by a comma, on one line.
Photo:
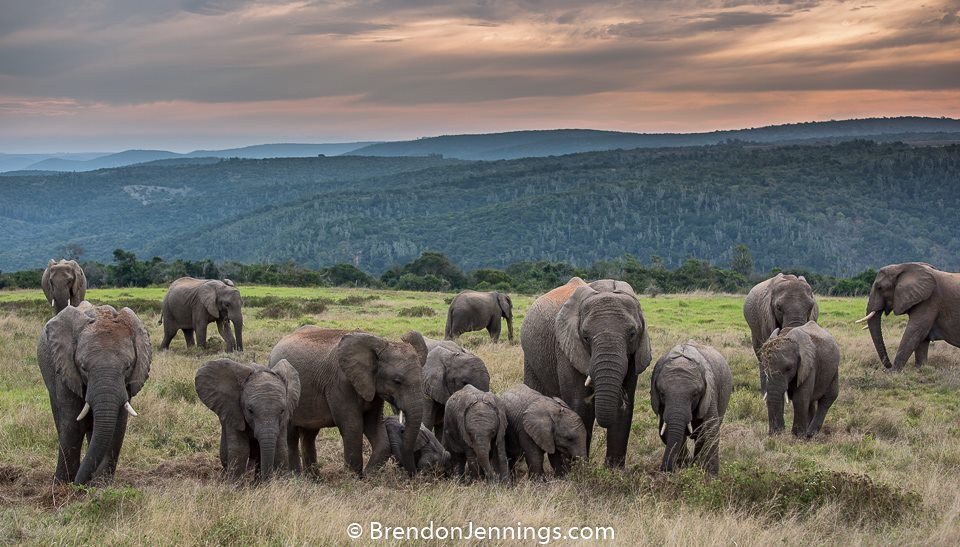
{"points": [[180, 75]]}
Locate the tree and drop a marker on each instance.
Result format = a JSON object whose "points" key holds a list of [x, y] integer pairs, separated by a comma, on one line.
{"points": [[742, 262], [72, 251]]}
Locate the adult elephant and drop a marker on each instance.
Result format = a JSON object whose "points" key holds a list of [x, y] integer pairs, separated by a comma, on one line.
{"points": [[782, 301], [64, 284], [472, 310], [587, 343], [931, 300], [93, 362], [345, 377], [191, 304]]}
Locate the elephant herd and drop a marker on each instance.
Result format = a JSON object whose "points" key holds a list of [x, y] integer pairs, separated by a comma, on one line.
{"points": [[584, 344]]}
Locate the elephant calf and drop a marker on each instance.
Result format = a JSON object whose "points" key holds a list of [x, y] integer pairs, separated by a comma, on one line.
{"points": [[538, 425], [802, 364], [430, 456], [449, 368], [254, 404], [474, 430], [689, 392], [191, 304]]}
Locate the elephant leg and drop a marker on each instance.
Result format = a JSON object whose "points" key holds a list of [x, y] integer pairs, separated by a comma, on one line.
{"points": [[237, 453], [293, 449], [376, 434], [801, 420], [68, 452], [619, 433], [917, 331], [253, 458], [573, 392], [200, 327], [169, 332], [494, 330], [560, 464], [308, 440], [706, 447], [921, 352], [223, 327], [823, 405], [188, 337], [457, 464], [353, 447], [534, 457]]}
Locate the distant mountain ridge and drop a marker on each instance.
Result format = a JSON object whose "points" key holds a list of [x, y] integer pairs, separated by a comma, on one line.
{"points": [[524, 144]]}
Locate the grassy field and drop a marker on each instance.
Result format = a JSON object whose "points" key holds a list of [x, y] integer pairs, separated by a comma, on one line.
{"points": [[886, 469]]}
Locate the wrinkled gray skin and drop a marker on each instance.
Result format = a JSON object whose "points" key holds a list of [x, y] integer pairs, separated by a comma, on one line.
{"points": [[538, 425], [472, 310], [430, 455], [64, 284], [689, 391], [191, 304], [345, 377], [782, 301], [474, 427], [931, 300], [449, 367], [98, 356], [803, 363], [594, 330], [254, 404]]}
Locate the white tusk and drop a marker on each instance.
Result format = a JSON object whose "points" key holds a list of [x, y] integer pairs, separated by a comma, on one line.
{"points": [[786, 396], [84, 412], [865, 327], [689, 429], [663, 428], [764, 395], [589, 382], [52, 305], [129, 409], [867, 317], [400, 417]]}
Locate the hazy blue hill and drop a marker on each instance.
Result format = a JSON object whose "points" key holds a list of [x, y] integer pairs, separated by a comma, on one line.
{"points": [[282, 150], [518, 144], [16, 162], [120, 159]]}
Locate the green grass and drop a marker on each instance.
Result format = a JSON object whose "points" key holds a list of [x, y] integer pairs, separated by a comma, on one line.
{"points": [[886, 468]]}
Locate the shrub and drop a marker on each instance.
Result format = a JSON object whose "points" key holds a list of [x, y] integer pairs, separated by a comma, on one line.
{"points": [[357, 299], [417, 311]]}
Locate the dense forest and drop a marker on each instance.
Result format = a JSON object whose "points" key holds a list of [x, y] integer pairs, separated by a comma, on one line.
{"points": [[836, 209]]}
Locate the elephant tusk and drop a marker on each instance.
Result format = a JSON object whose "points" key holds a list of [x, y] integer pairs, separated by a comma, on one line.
{"points": [[400, 417], [129, 409], [690, 429], [52, 305], [84, 412], [865, 327], [866, 317], [589, 382], [786, 396], [764, 395], [663, 429]]}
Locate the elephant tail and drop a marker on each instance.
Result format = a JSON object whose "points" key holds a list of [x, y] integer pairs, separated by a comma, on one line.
{"points": [[160, 321], [448, 328]]}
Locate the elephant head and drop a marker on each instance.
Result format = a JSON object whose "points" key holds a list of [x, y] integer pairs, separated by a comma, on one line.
{"points": [[601, 331], [448, 368], [252, 398], [786, 359], [682, 388], [392, 371], [897, 288], [64, 284], [555, 428], [791, 302], [430, 455], [101, 357], [222, 300], [506, 309]]}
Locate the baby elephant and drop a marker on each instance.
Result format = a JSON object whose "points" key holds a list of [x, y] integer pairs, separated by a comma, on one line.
{"points": [[474, 426], [689, 392], [254, 404], [429, 454], [537, 424], [448, 368], [802, 364]]}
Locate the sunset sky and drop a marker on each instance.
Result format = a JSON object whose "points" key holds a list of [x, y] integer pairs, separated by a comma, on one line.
{"points": [[185, 74]]}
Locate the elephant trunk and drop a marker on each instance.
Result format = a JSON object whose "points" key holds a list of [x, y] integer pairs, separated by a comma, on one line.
{"points": [[675, 439], [268, 452], [775, 409], [238, 333], [413, 416], [106, 412], [61, 298], [608, 368]]}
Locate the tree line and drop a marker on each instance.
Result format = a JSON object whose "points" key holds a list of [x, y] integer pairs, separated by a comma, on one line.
{"points": [[433, 271]]}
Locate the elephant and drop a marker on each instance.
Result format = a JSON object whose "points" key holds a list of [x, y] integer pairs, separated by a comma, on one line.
{"points": [[782, 301], [689, 392], [802, 364], [64, 284], [448, 368], [587, 344], [344, 378], [430, 455], [93, 360], [254, 404], [472, 310], [474, 430], [930, 298], [538, 425], [190, 304]]}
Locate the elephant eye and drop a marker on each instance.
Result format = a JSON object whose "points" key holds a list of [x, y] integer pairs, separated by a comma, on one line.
{"points": [[398, 380]]}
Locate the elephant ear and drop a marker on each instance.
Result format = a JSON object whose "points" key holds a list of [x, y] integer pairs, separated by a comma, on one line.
{"points": [[568, 329], [207, 293], [655, 402], [708, 399], [539, 424], [808, 354], [291, 379], [45, 281], [914, 285], [416, 340], [141, 343], [434, 385], [506, 306], [357, 354], [57, 346], [642, 356], [79, 287], [219, 384]]}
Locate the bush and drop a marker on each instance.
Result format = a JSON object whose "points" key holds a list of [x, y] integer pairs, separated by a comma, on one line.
{"points": [[357, 299], [417, 311], [285, 309], [429, 282]]}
